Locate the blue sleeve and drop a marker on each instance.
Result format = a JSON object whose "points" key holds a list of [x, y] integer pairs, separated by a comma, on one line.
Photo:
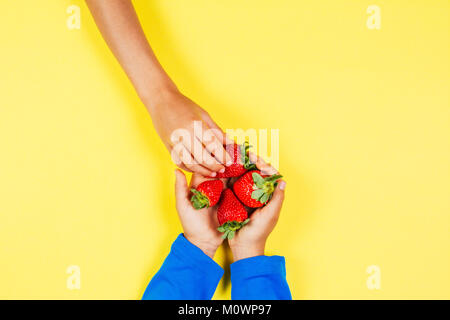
{"points": [[186, 274], [259, 278]]}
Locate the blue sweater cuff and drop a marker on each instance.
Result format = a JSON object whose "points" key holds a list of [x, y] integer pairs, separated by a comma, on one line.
{"points": [[257, 266], [193, 255]]}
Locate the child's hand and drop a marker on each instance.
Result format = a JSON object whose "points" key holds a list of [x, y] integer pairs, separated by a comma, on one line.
{"points": [[174, 111], [200, 226], [250, 241]]}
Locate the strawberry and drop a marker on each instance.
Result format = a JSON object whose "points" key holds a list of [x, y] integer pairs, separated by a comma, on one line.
{"points": [[231, 215], [240, 161], [207, 194], [255, 189]]}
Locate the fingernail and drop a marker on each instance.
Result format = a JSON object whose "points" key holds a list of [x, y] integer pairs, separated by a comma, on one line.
{"points": [[229, 163], [282, 185], [222, 170], [213, 174]]}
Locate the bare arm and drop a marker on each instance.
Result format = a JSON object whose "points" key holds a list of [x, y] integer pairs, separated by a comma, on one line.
{"points": [[120, 27], [169, 109]]}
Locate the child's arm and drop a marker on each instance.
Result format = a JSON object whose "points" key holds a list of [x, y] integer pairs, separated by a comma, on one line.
{"points": [[169, 109], [189, 272], [186, 274], [255, 276]]}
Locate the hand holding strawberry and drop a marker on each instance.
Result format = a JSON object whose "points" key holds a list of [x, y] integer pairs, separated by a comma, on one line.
{"points": [[250, 241], [232, 215], [253, 188], [239, 155], [207, 194], [199, 226]]}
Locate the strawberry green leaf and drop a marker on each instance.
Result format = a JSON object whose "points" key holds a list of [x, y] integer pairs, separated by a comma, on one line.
{"points": [[273, 178], [257, 194], [264, 198], [225, 234], [199, 200], [230, 228], [259, 181], [244, 149]]}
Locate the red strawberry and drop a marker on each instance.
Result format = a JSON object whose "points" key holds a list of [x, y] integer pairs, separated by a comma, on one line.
{"points": [[255, 189], [207, 194], [241, 162], [231, 215]]}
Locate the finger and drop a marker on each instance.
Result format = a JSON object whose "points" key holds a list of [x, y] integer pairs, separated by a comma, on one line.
{"points": [[273, 208], [181, 188], [216, 147], [196, 179], [220, 135], [210, 162], [194, 166], [202, 155], [180, 155], [263, 166], [194, 155], [204, 158], [183, 167], [179, 163]]}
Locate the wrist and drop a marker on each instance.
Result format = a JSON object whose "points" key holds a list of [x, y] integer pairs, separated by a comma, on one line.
{"points": [[158, 94], [247, 251], [208, 247]]}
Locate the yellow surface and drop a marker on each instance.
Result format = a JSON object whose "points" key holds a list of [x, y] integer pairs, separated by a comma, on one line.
{"points": [[364, 119]]}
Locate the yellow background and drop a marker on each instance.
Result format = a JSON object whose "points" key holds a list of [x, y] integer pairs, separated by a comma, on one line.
{"points": [[364, 119]]}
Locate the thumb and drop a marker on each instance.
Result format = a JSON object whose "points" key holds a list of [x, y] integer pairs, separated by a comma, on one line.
{"points": [[275, 204], [181, 188]]}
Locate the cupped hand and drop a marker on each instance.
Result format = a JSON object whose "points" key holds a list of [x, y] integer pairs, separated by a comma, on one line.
{"points": [[200, 226], [194, 140], [250, 241]]}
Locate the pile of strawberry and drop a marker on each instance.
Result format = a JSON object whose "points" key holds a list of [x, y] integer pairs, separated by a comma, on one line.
{"points": [[247, 188]]}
